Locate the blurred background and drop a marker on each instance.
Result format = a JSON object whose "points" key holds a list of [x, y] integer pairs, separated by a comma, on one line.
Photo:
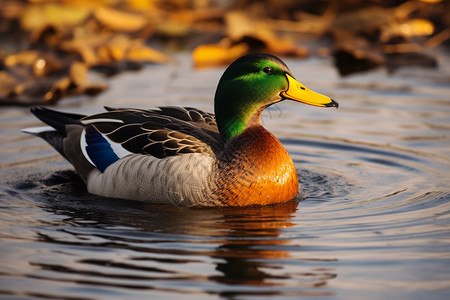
{"points": [[48, 47]]}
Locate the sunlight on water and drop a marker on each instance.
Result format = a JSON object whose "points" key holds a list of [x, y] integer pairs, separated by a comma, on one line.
{"points": [[373, 220]]}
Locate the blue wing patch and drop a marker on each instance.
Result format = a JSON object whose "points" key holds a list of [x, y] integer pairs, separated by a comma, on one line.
{"points": [[99, 149]]}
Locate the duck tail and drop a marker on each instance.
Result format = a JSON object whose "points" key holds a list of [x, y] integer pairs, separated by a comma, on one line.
{"points": [[55, 133]]}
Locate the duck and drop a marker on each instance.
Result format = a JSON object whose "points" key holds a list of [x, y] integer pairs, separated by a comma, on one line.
{"points": [[185, 156]]}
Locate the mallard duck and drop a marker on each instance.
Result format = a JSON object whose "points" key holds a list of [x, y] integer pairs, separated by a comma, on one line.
{"points": [[185, 156]]}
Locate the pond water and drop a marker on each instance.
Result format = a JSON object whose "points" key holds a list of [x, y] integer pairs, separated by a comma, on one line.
{"points": [[373, 221]]}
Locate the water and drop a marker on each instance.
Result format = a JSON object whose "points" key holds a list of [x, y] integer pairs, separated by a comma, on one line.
{"points": [[374, 221]]}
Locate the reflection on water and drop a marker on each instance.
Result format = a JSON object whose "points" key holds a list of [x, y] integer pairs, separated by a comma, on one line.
{"points": [[112, 243], [372, 220]]}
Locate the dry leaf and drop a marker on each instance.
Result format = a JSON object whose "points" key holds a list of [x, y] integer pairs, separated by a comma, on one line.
{"points": [[363, 19], [416, 27], [215, 55], [77, 73], [355, 54], [240, 28], [86, 47], [120, 21], [58, 90], [78, 78], [141, 53], [47, 64], [116, 48], [7, 84], [24, 58], [36, 16], [407, 29]]}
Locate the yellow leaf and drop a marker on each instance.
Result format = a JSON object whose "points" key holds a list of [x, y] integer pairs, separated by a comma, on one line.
{"points": [[118, 47], [36, 16], [22, 58], [142, 5], [216, 54], [142, 53], [120, 21], [407, 29], [417, 27]]}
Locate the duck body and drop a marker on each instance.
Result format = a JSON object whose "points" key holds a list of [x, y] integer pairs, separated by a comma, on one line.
{"points": [[184, 156]]}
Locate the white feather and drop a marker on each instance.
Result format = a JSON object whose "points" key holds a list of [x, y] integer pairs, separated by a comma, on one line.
{"points": [[37, 130], [117, 148], [87, 122], [83, 146]]}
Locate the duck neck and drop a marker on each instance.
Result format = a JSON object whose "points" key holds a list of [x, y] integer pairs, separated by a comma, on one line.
{"points": [[233, 123], [233, 115]]}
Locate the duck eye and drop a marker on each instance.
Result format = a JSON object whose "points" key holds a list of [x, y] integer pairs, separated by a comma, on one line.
{"points": [[267, 70]]}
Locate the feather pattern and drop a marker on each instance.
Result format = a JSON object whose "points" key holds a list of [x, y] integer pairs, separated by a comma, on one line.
{"points": [[169, 131], [98, 149]]}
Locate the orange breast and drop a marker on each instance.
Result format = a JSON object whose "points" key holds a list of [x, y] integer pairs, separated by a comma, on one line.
{"points": [[256, 169]]}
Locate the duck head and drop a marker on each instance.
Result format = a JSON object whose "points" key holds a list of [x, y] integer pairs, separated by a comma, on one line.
{"points": [[251, 84]]}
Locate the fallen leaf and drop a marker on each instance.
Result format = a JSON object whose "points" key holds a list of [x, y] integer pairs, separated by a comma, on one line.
{"points": [[240, 28], [116, 48], [24, 58], [120, 21], [216, 54], [86, 47], [48, 35], [238, 25], [77, 73], [355, 54], [363, 20], [407, 29], [139, 52], [47, 64], [416, 27], [79, 80], [7, 84], [58, 90], [40, 15]]}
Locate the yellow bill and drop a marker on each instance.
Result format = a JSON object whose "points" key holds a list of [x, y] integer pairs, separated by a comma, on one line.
{"points": [[298, 92]]}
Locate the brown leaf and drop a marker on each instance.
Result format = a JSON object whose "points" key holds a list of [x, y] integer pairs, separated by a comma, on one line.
{"points": [[78, 77], [7, 84], [355, 54], [77, 73], [239, 28], [58, 90], [363, 19], [47, 64], [86, 47]]}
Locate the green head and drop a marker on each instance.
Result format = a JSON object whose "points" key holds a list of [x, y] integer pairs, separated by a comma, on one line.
{"points": [[252, 83]]}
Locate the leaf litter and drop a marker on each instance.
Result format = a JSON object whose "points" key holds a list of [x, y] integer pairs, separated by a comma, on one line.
{"points": [[50, 48]]}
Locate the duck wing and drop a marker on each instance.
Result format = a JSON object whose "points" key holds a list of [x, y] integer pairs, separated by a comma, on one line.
{"points": [[104, 138], [163, 132]]}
